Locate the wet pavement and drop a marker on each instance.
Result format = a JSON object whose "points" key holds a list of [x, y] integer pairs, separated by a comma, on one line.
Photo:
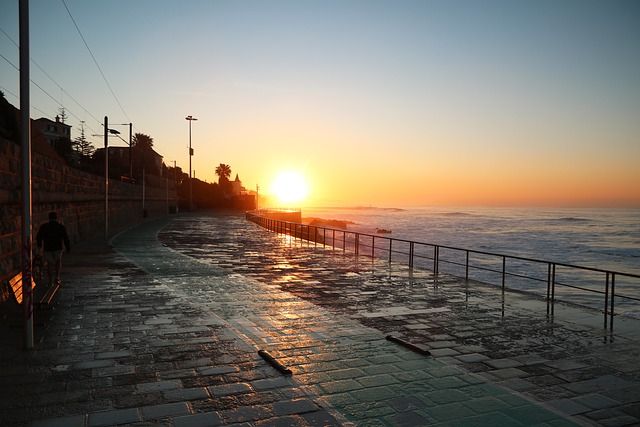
{"points": [[167, 333]]}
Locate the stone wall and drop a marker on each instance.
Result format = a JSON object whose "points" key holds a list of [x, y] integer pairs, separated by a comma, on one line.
{"points": [[76, 196]]}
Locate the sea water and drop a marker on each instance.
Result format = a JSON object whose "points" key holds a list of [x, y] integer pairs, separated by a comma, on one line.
{"points": [[607, 239]]}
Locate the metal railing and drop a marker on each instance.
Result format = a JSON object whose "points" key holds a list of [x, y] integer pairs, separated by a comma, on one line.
{"points": [[550, 280]]}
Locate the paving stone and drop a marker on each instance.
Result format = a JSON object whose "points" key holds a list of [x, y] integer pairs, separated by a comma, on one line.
{"points": [[378, 380], [596, 401], [165, 410], [568, 406], [341, 386], [297, 406], [158, 386], [229, 389], [409, 419], [174, 325], [209, 419], [321, 418], [471, 357], [185, 394], [108, 418], [74, 421], [246, 414], [508, 373]]}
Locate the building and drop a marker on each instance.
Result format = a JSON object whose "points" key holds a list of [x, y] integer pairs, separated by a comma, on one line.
{"points": [[51, 131], [237, 188]]}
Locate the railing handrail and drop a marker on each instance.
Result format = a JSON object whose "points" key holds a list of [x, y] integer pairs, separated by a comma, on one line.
{"points": [[475, 251], [611, 275]]}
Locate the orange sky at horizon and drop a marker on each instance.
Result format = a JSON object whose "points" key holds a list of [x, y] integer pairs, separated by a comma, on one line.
{"points": [[382, 103], [466, 188], [548, 177]]}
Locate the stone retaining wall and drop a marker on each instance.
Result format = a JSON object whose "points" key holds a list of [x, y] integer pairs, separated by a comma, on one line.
{"points": [[76, 196]]}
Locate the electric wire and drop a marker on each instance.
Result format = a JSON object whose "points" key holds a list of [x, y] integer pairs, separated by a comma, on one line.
{"points": [[59, 86], [52, 79], [95, 61], [40, 87], [43, 91], [5, 90]]}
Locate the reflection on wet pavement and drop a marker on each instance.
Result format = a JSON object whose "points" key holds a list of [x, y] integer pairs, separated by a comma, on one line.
{"points": [[566, 361]]}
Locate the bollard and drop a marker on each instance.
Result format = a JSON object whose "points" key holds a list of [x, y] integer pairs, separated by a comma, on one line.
{"points": [[273, 362], [408, 345]]}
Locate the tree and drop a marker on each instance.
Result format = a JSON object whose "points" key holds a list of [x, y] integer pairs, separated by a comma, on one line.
{"points": [[224, 172], [143, 155], [142, 141], [62, 114], [82, 145]]}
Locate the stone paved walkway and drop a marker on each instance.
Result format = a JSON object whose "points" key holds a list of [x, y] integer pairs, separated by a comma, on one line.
{"points": [[150, 336]]}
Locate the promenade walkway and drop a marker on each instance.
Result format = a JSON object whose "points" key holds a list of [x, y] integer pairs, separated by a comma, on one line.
{"points": [[167, 333]]}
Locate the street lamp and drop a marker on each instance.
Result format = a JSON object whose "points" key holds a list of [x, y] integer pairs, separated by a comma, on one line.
{"points": [[130, 145], [107, 132], [190, 118]]}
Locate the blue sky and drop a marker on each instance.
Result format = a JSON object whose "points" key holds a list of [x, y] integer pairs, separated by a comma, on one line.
{"points": [[375, 102]]}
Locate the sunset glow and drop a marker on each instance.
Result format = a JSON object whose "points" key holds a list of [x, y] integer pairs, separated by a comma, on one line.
{"points": [[290, 188], [380, 103]]}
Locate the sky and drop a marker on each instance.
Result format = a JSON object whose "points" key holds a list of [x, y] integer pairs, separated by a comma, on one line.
{"points": [[374, 102]]}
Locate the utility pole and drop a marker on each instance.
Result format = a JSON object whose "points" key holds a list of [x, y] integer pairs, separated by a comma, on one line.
{"points": [[106, 178], [190, 118], [130, 145], [25, 160]]}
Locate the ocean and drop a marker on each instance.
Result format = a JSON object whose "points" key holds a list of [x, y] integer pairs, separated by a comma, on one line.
{"points": [[607, 239]]}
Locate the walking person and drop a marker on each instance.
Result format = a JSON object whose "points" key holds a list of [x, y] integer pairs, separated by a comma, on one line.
{"points": [[52, 238]]}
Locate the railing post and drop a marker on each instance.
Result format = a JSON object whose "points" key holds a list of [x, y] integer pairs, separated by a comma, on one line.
{"points": [[466, 271], [613, 296], [373, 247], [553, 288], [548, 287], [606, 301], [411, 255], [390, 245], [436, 255], [357, 244], [504, 269], [344, 241]]}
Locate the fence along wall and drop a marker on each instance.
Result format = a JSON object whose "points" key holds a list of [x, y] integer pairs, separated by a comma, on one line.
{"points": [[76, 196]]}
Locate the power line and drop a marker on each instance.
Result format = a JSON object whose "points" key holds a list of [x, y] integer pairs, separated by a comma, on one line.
{"points": [[94, 61], [52, 79], [40, 87], [18, 98]]}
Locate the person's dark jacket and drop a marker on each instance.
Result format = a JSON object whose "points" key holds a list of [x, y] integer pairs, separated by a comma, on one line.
{"points": [[53, 234]]}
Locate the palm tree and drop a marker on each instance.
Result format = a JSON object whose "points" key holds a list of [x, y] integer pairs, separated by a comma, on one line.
{"points": [[224, 172]]}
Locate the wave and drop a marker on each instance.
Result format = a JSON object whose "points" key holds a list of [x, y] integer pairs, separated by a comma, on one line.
{"points": [[456, 214], [359, 208], [617, 252], [574, 219]]}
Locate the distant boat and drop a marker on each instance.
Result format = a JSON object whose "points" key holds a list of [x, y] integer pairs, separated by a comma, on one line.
{"points": [[383, 231]]}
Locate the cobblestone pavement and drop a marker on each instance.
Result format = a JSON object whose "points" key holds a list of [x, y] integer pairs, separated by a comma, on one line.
{"points": [[149, 336]]}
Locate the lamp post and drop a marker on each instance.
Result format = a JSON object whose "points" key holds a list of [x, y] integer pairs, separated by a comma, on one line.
{"points": [[190, 118], [107, 132], [106, 178], [25, 163]]}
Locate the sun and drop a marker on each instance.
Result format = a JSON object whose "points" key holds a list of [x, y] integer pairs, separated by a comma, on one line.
{"points": [[290, 187]]}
